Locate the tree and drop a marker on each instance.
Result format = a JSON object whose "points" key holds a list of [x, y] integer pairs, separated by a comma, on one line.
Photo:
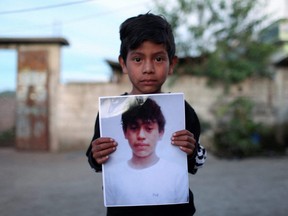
{"points": [[226, 34]]}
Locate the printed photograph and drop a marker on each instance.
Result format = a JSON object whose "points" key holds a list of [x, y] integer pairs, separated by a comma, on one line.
{"points": [[146, 169]]}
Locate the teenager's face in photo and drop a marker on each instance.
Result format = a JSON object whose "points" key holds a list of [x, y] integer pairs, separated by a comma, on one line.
{"points": [[143, 137], [147, 67]]}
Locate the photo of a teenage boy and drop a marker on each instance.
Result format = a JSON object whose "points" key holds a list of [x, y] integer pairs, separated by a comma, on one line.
{"points": [[146, 178]]}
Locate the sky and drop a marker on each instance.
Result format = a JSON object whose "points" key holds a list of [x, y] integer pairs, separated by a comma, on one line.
{"points": [[90, 26]]}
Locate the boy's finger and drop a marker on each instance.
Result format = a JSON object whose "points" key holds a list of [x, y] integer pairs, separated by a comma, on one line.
{"points": [[103, 145], [102, 140], [103, 153], [102, 160], [187, 139], [183, 133], [188, 151]]}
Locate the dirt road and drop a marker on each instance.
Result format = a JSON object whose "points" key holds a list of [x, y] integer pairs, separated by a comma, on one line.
{"points": [[60, 184]]}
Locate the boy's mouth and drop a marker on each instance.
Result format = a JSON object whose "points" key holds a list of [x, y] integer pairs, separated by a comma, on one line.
{"points": [[148, 82]]}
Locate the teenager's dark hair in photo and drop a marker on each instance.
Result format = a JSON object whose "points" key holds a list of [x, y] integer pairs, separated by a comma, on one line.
{"points": [[148, 111]]}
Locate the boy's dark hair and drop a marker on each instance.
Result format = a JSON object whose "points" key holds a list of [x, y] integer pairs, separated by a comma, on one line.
{"points": [[146, 27], [149, 110]]}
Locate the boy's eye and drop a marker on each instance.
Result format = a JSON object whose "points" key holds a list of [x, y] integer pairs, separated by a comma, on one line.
{"points": [[159, 59], [136, 59]]}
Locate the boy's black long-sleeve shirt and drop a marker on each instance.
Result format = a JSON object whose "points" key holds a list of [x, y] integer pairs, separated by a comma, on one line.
{"points": [[192, 125]]}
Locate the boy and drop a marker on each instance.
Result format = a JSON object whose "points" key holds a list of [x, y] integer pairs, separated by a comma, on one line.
{"points": [[140, 180], [147, 55]]}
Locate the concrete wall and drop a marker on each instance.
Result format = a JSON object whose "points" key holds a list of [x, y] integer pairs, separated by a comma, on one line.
{"points": [[75, 105], [78, 103], [281, 95], [77, 111], [7, 112]]}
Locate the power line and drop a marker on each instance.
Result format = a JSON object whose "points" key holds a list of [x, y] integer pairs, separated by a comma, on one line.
{"points": [[43, 7], [80, 19], [93, 16]]}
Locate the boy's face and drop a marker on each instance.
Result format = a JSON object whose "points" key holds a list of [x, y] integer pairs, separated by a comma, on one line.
{"points": [[147, 67], [143, 137]]}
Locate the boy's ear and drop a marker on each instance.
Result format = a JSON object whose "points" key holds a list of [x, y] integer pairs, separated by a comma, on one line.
{"points": [[123, 65], [172, 65]]}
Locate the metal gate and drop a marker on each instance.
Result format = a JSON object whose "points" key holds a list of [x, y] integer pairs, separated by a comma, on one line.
{"points": [[32, 100]]}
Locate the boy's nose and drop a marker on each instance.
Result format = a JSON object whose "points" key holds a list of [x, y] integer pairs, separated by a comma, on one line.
{"points": [[148, 67]]}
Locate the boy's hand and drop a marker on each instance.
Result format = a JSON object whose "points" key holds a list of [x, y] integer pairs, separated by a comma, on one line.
{"points": [[185, 140], [102, 148]]}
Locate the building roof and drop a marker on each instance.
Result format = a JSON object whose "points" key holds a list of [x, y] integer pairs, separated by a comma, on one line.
{"points": [[282, 63], [32, 40], [115, 66]]}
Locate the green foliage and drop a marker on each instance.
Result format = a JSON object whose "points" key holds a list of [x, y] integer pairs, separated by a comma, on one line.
{"points": [[7, 138], [226, 32], [233, 65], [237, 135], [8, 94]]}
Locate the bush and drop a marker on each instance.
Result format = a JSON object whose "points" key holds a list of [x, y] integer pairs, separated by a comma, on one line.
{"points": [[237, 135], [237, 139], [7, 138]]}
